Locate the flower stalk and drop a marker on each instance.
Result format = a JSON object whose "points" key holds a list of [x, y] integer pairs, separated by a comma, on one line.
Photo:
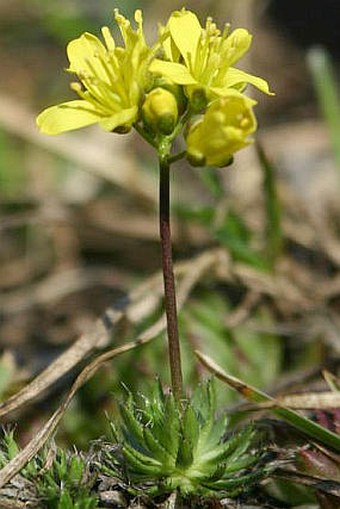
{"points": [[185, 85], [169, 279]]}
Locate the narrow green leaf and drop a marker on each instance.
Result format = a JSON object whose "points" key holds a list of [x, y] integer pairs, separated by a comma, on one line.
{"points": [[243, 441], [327, 91], [190, 424], [157, 449], [115, 432], [65, 501], [212, 180], [241, 464], [240, 250], [133, 428], [206, 397], [11, 445], [332, 381], [185, 453], [272, 206], [141, 463], [301, 423], [170, 440], [236, 483]]}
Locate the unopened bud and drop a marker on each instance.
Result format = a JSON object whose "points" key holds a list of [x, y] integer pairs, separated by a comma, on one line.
{"points": [[176, 90], [160, 111]]}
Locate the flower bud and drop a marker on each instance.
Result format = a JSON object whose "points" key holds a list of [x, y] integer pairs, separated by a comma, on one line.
{"points": [[176, 90], [160, 111], [221, 131]]}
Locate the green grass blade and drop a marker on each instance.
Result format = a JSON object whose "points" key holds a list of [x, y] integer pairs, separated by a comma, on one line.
{"points": [[157, 449], [273, 208], [301, 423], [326, 89]]}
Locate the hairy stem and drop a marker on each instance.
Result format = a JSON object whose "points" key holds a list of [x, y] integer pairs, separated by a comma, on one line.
{"points": [[169, 280]]}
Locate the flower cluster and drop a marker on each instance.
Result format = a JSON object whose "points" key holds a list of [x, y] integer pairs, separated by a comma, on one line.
{"points": [[186, 82]]}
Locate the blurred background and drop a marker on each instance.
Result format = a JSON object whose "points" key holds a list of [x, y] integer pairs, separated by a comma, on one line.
{"points": [[78, 224]]}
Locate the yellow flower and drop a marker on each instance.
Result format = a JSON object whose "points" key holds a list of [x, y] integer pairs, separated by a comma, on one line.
{"points": [[112, 81], [203, 58], [223, 130]]}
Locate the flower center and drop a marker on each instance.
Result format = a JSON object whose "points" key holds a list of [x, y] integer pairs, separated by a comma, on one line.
{"points": [[211, 60]]}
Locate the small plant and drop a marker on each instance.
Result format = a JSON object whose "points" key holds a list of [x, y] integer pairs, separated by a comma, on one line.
{"points": [[165, 448], [55, 479], [184, 85]]}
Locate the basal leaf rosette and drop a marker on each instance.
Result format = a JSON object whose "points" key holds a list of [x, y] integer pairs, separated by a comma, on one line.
{"points": [[202, 59], [111, 81], [224, 129], [167, 446]]}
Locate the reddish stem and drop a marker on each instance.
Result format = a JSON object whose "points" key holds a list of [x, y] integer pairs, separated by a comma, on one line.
{"points": [[169, 280]]}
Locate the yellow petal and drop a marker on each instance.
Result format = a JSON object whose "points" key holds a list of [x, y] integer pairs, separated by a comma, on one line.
{"points": [[235, 78], [86, 55], [66, 117], [185, 30], [171, 52], [124, 118], [177, 73]]}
